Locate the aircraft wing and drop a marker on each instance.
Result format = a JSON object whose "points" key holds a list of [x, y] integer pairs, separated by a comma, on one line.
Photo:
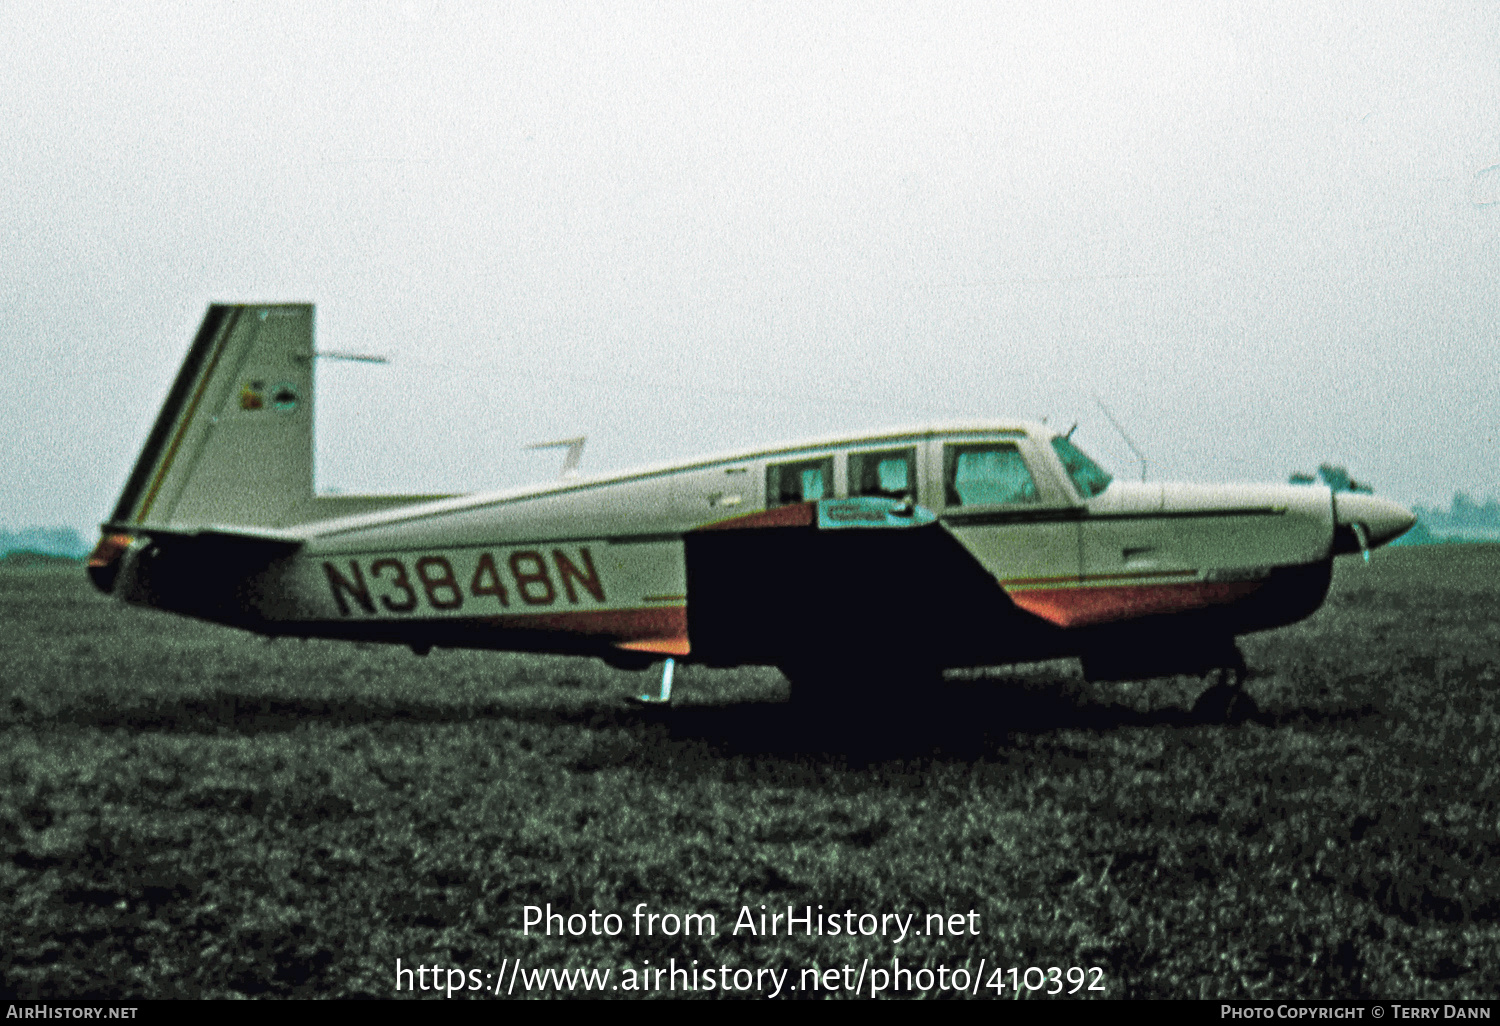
{"points": [[850, 576]]}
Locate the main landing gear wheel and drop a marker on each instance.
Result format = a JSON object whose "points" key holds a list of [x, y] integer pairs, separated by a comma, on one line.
{"points": [[1226, 700]]}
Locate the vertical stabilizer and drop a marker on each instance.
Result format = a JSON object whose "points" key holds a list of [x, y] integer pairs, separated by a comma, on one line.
{"points": [[233, 443]]}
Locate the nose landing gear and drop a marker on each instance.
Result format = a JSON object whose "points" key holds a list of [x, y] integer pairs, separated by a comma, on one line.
{"points": [[1225, 700], [1217, 660]]}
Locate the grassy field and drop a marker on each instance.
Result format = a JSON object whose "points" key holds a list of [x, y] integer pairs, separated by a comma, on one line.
{"points": [[189, 811]]}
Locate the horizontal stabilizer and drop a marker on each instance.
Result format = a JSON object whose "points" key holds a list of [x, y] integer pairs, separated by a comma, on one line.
{"points": [[264, 541], [198, 571]]}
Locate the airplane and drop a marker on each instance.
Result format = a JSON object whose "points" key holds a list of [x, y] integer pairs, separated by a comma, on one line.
{"points": [[857, 563]]}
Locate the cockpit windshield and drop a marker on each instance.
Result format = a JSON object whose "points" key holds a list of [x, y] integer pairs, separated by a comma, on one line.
{"points": [[1088, 477]]}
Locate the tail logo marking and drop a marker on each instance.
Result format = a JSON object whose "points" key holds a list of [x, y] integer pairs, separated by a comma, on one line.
{"points": [[284, 398]]}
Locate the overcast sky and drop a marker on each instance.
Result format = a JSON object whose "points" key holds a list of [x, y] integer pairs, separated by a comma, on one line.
{"points": [[1267, 235]]}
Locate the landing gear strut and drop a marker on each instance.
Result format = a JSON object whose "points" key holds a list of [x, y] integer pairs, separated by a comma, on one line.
{"points": [[1218, 660], [664, 693]]}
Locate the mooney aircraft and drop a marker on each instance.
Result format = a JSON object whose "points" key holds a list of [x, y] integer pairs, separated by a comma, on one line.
{"points": [[855, 559]]}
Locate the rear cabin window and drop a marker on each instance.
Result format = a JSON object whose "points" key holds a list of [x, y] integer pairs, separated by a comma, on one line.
{"points": [[981, 474], [890, 474], [804, 481], [1088, 477]]}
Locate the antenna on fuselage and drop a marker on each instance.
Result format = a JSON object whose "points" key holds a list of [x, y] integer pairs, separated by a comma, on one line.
{"points": [[571, 460], [1133, 447]]}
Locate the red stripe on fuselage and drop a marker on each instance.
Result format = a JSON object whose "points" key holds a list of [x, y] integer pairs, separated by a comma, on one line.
{"points": [[1080, 607], [800, 514], [618, 625], [662, 629]]}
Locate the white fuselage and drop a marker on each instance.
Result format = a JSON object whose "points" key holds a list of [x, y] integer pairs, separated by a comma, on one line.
{"points": [[618, 562]]}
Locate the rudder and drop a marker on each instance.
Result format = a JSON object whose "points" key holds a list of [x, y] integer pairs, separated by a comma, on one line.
{"points": [[233, 444]]}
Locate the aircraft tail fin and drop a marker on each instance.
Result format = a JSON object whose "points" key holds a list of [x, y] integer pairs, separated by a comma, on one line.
{"points": [[233, 444]]}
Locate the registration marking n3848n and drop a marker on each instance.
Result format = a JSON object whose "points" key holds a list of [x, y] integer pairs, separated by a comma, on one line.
{"points": [[493, 580]]}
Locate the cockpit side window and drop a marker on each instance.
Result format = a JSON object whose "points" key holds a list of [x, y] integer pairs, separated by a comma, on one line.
{"points": [[804, 481], [1088, 477], [890, 473], [985, 473]]}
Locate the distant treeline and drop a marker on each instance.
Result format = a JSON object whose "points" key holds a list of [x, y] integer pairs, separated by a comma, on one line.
{"points": [[54, 542], [25, 557], [1464, 521]]}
